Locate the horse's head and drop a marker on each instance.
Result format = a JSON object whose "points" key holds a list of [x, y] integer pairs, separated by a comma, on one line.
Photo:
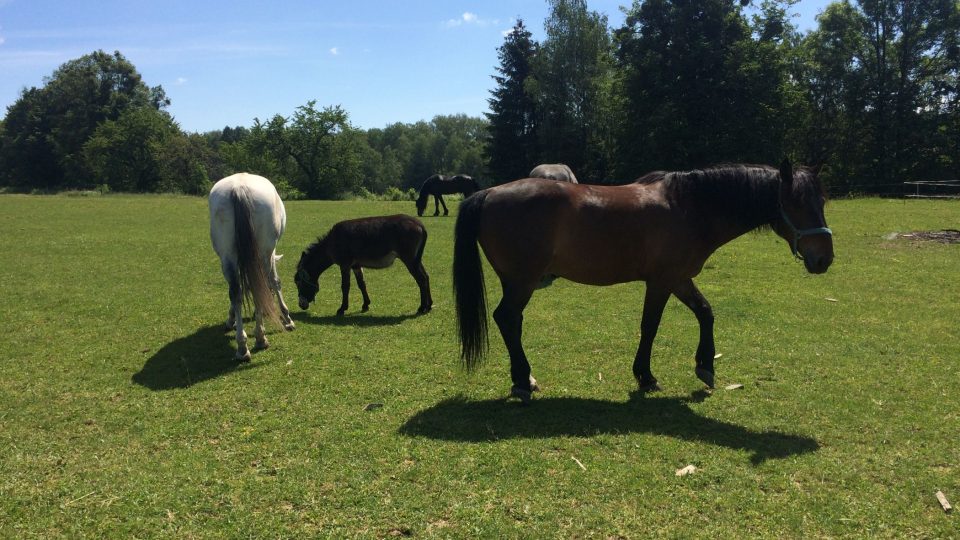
{"points": [[307, 285], [801, 221], [421, 203]]}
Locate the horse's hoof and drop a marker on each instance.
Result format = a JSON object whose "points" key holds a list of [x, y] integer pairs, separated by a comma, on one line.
{"points": [[423, 309], [523, 395], [705, 376], [648, 386], [289, 326], [340, 312], [364, 309], [243, 358], [261, 345], [534, 387]]}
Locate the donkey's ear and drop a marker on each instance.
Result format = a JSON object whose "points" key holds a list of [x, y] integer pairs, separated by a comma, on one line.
{"points": [[786, 171], [815, 169]]}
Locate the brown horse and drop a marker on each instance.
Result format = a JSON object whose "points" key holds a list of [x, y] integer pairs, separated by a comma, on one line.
{"points": [[373, 242], [660, 229], [439, 185]]}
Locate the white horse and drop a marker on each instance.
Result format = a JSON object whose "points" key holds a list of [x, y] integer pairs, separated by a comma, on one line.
{"points": [[554, 171], [246, 220]]}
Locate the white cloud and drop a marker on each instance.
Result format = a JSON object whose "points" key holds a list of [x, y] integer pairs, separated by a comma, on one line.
{"points": [[335, 51], [470, 18], [2, 40], [180, 81]]}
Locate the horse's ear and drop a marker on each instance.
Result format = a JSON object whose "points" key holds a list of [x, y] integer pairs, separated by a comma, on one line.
{"points": [[786, 171], [815, 169]]}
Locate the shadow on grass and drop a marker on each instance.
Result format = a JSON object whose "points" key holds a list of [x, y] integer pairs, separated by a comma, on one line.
{"points": [[203, 355], [458, 419], [359, 319]]}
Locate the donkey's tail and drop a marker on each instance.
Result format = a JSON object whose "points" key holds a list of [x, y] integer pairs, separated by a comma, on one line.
{"points": [[468, 287], [253, 275]]}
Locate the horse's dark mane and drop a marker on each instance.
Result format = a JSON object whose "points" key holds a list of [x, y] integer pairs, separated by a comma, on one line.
{"points": [[748, 193]]}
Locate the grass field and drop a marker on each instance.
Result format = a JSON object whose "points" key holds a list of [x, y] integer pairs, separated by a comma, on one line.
{"points": [[122, 413]]}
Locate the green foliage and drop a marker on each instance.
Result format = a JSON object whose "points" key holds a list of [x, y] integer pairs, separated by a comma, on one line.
{"points": [[124, 415], [513, 142], [46, 129]]}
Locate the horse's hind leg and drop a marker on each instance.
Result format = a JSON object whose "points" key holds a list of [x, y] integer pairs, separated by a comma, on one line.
{"points": [[688, 293], [420, 275], [259, 333], [436, 205], [362, 285], [655, 299], [235, 318], [509, 318]]}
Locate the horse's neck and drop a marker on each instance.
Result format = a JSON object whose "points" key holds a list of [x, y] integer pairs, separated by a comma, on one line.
{"points": [[723, 223]]}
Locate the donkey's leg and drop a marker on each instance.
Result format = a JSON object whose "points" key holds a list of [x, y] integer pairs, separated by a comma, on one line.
{"points": [[275, 285], [235, 319], [654, 301], [362, 285], [445, 211], [509, 318], [344, 288], [420, 275], [688, 293]]}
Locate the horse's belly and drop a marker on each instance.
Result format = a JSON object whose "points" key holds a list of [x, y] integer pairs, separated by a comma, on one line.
{"points": [[382, 262]]}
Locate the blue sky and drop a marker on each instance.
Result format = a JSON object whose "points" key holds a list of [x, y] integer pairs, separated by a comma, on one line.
{"points": [[228, 62]]}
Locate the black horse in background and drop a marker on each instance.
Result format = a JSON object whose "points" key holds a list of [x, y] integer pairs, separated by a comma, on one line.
{"points": [[439, 185], [355, 244]]}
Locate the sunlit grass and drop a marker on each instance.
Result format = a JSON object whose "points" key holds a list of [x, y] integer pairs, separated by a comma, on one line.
{"points": [[122, 413]]}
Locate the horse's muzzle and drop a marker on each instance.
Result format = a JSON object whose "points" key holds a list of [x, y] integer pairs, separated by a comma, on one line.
{"points": [[818, 264]]}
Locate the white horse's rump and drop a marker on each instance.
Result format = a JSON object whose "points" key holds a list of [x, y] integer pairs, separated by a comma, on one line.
{"points": [[246, 220], [554, 171]]}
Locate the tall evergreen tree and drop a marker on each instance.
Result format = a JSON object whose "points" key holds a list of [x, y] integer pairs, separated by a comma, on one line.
{"points": [[512, 146]]}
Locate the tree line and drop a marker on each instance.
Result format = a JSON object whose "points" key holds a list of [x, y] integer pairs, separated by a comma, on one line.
{"points": [[871, 93]]}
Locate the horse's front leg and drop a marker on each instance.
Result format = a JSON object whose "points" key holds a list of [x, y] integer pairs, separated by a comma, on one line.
{"points": [[362, 285], [344, 288], [509, 318], [688, 293], [445, 211], [275, 285], [436, 205], [259, 332], [655, 299]]}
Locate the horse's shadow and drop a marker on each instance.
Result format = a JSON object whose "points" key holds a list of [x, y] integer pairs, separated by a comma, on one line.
{"points": [[203, 355], [361, 320], [458, 419]]}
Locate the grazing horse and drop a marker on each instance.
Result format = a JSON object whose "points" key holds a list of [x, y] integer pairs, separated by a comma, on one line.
{"points": [[554, 171], [660, 229], [356, 244], [439, 185], [246, 220]]}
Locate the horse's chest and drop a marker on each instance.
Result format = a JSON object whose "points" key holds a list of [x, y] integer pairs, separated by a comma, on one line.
{"points": [[378, 262]]}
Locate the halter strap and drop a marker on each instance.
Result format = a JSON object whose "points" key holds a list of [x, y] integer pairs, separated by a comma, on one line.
{"points": [[305, 278], [800, 233]]}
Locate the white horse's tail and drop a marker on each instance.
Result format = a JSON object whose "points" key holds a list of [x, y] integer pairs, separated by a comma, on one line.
{"points": [[253, 276]]}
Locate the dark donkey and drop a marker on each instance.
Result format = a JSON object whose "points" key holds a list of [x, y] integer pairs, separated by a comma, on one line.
{"points": [[356, 244], [660, 229], [439, 185]]}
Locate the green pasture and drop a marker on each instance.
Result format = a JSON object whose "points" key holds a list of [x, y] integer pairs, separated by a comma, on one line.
{"points": [[122, 413]]}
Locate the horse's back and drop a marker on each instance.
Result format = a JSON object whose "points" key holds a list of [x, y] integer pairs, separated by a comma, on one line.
{"points": [[554, 171], [268, 214]]}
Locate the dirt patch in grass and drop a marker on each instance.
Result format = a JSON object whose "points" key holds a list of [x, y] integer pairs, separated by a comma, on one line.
{"points": [[946, 236]]}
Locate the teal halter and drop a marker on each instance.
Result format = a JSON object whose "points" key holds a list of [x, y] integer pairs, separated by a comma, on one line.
{"points": [[305, 279], [800, 233]]}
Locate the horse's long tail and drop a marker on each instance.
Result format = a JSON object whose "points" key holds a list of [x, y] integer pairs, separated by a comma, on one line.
{"points": [[253, 275], [468, 286]]}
